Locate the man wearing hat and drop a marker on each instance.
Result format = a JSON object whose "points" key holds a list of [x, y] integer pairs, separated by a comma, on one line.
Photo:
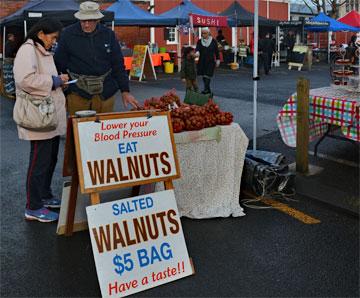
{"points": [[90, 54]]}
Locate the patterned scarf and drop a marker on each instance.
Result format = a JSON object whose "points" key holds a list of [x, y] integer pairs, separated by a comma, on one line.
{"points": [[206, 42]]}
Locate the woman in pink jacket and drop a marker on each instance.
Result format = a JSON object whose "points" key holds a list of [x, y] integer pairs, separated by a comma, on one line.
{"points": [[36, 74]]}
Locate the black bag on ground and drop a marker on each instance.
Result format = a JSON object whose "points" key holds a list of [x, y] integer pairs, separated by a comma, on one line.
{"points": [[267, 174]]}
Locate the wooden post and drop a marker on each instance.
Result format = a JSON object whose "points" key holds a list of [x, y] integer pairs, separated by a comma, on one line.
{"points": [[95, 198], [302, 126], [168, 184], [72, 203]]}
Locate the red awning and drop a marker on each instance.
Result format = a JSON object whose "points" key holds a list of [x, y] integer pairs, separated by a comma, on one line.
{"points": [[208, 21], [352, 18]]}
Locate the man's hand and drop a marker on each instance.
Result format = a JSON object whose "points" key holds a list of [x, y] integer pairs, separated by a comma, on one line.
{"points": [[129, 99], [183, 80], [64, 78]]}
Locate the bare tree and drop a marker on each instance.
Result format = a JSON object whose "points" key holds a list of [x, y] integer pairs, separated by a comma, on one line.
{"points": [[335, 5], [322, 5]]}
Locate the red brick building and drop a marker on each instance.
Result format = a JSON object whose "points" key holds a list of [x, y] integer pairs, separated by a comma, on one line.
{"points": [[273, 9]]}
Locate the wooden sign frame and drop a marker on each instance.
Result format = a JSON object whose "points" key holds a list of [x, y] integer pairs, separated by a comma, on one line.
{"points": [[127, 115], [147, 66], [73, 163]]}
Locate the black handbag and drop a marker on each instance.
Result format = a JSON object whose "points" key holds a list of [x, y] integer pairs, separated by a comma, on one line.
{"points": [[267, 174]]}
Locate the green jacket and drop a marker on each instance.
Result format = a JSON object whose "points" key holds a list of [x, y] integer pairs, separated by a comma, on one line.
{"points": [[188, 69]]}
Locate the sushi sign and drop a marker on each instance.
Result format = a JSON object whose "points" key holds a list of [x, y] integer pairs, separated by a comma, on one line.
{"points": [[208, 21]]}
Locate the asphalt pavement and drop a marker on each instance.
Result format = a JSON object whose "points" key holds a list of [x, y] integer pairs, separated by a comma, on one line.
{"points": [[266, 253]]}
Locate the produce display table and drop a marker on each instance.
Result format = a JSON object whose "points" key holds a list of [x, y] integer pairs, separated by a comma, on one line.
{"points": [[156, 59], [211, 163], [328, 106]]}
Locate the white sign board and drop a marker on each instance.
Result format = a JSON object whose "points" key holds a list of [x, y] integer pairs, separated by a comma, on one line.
{"points": [[125, 151], [138, 243]]}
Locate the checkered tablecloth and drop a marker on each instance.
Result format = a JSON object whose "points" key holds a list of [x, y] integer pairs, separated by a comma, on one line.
{"points": [[327, 106]]}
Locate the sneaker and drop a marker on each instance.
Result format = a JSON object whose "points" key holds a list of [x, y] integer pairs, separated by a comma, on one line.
{"points": [[52, 203], [42, 215]]}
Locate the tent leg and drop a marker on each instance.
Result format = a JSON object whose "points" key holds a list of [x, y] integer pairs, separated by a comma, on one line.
{"points": [[255, 69], [179, 50]]}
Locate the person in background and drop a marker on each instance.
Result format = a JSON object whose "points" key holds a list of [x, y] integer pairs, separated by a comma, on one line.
{"points": [[289, 42], [208, 52], [90, 53], [220, 38], [36, 74], [10, 46], [352, 41], [351, 49], [243, 51], [188, 69], [267, 48]]}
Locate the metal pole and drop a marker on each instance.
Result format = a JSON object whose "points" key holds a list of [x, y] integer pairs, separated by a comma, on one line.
{"points": [[278, 45], [235, 45], [234, 41], [329, 40], [255, 68], [178, 49], [152, 29]]}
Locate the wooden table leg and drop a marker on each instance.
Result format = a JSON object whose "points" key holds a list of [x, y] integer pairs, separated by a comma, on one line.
{"points": [[168, 184], [95, 198], [72, 203]]}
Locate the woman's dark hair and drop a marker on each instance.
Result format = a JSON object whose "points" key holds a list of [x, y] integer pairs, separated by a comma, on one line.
{"points": [[46, 25], [352, 40]]}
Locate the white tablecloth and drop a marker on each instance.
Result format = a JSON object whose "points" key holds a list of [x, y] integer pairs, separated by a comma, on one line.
{"points": [[210, 172]]}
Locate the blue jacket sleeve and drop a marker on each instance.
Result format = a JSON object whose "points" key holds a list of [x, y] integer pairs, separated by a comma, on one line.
{"points": [[61, 56], [117, 65], [57, 82]]}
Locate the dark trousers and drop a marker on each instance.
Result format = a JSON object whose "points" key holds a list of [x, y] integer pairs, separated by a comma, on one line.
{"points": [[206, 81], [265, 62], [43, 158], [191, 85], [289, 54]]}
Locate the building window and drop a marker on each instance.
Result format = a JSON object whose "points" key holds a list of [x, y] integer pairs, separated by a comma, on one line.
{"points": [[173, 36]]}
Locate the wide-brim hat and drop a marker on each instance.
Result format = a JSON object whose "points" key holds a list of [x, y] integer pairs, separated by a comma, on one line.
{"points": [[89, 11]]}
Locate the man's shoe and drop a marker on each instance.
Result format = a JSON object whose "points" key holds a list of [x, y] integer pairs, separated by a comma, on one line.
{"points": [[52, 203], [42, 215]]}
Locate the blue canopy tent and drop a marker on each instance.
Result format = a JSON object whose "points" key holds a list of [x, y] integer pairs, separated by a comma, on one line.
{"points": [[238, 16], [180, 16], [63, 10], [180, 13], [18, 17], [128, 14], [333, 25]]}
